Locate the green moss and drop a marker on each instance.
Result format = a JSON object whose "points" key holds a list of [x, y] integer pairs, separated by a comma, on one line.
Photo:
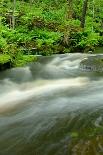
{"points": [[24, 60], [4, 58], [74, 135]]}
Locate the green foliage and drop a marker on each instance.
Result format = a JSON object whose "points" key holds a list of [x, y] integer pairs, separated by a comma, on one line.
{"points": [[3, 44], [46, 38], [45, 26], [92, 39]]}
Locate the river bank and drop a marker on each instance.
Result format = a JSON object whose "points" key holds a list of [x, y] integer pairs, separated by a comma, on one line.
{"points": [[7, 62]]}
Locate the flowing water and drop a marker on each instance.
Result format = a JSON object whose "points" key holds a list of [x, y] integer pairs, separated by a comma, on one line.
{"points": [[50, 107]]}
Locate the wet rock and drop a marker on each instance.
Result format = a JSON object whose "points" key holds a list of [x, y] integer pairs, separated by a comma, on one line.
{"points": [[92, 63]]}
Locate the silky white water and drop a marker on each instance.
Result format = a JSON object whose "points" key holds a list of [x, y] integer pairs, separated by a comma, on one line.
{"points": [[51, 107]]}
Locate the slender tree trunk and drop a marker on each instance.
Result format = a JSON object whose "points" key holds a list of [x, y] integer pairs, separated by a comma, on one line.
{"points": [[93, 17], [13, 17], [84, 10]]}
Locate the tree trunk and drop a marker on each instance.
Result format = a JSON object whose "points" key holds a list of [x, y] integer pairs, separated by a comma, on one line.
{"points": [[84, 10], [13, 17], [93, 17]]}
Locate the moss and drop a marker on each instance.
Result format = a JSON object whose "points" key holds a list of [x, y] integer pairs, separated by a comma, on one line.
{"points": [[74, 135], [24, 60], [4, 58], [5, 62]]}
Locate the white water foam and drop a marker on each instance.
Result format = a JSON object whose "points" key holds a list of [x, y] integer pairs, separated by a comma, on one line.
{"points": [[41, 87]]}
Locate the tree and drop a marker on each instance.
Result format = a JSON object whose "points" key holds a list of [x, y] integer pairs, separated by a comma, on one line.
{"points": [[13, 17], [84, 10]]}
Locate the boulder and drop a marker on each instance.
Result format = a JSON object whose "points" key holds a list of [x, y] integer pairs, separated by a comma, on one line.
{"points": [[92, 63]]}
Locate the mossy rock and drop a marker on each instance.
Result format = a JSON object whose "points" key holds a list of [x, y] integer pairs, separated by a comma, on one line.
{"points": [[92, 63], [4, 58], [24, 60], [5, 62]]}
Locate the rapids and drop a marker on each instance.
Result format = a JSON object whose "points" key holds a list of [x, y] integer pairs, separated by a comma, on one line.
{"points": [[51, 107]]}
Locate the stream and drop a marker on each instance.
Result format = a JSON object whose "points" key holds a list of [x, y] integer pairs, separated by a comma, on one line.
{"points": [[51, 107]]}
